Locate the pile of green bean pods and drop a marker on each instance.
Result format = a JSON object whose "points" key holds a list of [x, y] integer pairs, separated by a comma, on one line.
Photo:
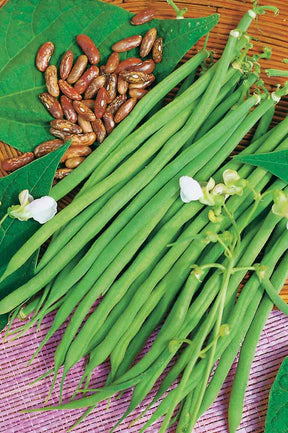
{"points": [[128, 242]]}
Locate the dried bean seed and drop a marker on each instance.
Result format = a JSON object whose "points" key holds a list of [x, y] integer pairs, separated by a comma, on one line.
{"points": [[66, 126], [125, 109], [150, 80], [111, 87], [128, 64], [116, 104], [157, 50], [127, 44], [148, 42], [89, 48], [86, 139], [74, 162], [82, 109], [112, 63], [99, 129], [59, 134], [69, 91], [122, 85], [148, 67], [74, 151], [109, 123], [51, 81], [68, 109], [84, 81], [137, 93], [78, 69], [66, 64], [89, 103], [47, 147], [133, 77], [142, 17], [101, 102], [11, 164], [84, 124], [52, 105], [96, 84], [44, 55], [62, 172]]}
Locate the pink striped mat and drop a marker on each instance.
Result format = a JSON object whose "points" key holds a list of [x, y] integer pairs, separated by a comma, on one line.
{"points": [[16, 394]]}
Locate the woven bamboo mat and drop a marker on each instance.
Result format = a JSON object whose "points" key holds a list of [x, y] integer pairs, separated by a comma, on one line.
{"points": [[14, 376]]}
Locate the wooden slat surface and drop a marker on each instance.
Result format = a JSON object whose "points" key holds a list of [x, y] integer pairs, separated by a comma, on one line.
{"points": [[269, 30]]}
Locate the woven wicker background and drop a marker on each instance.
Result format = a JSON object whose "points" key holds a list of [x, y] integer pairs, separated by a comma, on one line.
{"points": [[270, 30]]}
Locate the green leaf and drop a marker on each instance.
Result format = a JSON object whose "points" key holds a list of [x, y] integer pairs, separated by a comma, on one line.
{"points": [[275, 162], [277, 415], [37, 177], [26, 24]]}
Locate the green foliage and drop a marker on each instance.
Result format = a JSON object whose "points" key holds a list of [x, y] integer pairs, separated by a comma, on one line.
{"points": [[26, 25], [277, 415], [37, 177], [275, 162]]}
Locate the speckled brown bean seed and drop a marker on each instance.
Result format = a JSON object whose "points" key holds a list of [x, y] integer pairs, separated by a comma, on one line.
{"points": [[78, 69], [128, 64], [74, 162], [116, 104], [81, 85], [112, 63], [122, 85], [12, 164], [96, 84], [68, 109], [127, 44], [157, 50], [99, 129], [47, 147], [148, 42], [137, 93], [142, 17], [84, 124], [89, 103], [65, 126], [111, 87], [125, 109], [74, 151], [82, 109], [69, 91], [66, 64], [101, 102], [82, 139], [62, 172], [51, 81], [44, 55], [59, 134], [147, 67], [133, 77], [109, 123], [52, 105], [150, 80], [89, 48]]}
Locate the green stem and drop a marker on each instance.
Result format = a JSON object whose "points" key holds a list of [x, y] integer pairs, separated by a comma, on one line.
{"points": [[3, 219]]}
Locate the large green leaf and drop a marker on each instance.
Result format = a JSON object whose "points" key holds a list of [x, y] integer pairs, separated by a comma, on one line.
{"points": [[26, 24], [275, 162], [37, 177], [277, 415]]}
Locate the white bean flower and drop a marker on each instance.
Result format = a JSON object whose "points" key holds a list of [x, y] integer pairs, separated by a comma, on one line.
{"points": [[41, 209], [190, 189]]}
